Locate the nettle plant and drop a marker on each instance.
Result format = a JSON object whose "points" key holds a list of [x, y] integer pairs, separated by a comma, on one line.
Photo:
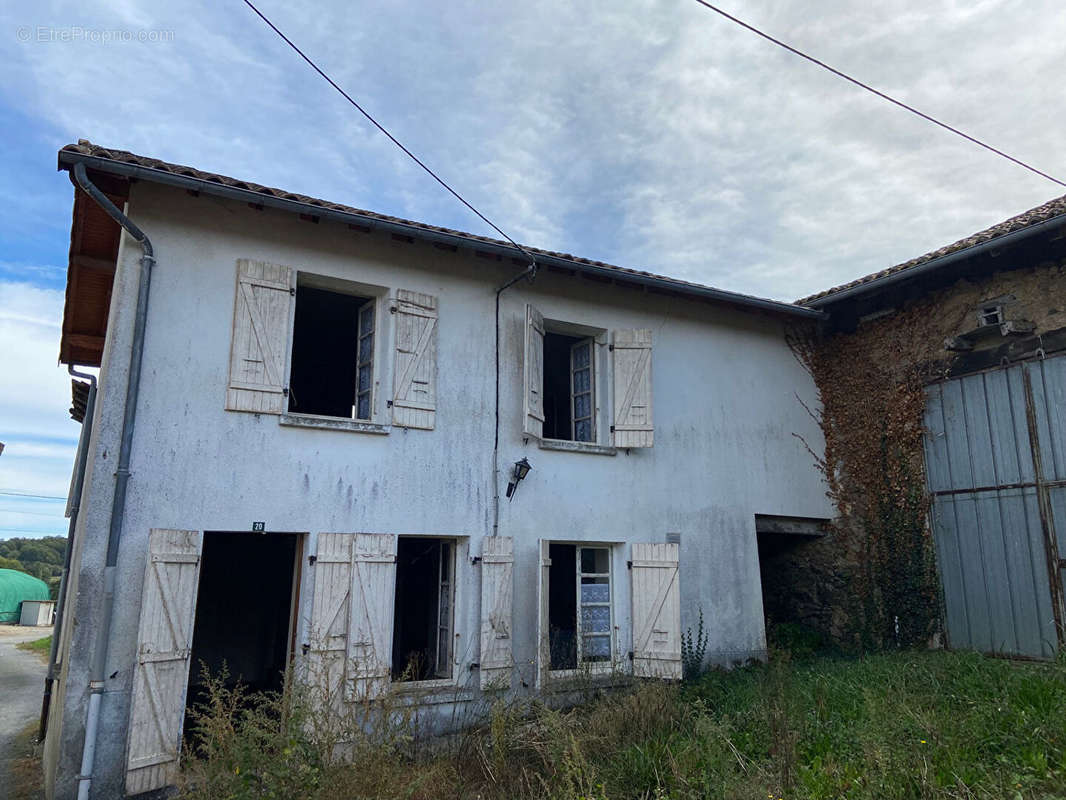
{"points": [[871, 385]]}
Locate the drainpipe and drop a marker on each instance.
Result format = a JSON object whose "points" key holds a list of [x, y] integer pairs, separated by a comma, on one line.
{"points": [[97, 672], [75, 504], [530, 272]]}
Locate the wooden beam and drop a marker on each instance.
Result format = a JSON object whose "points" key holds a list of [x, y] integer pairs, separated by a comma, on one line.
{"points": [[93, 263], [85, 340]]}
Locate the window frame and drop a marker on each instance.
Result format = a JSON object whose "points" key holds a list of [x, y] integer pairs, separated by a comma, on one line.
{"points": [[597, 339], [377, 298], [599, 667], [456, 544]]}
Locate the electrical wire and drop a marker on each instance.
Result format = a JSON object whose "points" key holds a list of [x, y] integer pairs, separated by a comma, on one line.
{"points": [[877, 92], [392, 138], [34, 496]]}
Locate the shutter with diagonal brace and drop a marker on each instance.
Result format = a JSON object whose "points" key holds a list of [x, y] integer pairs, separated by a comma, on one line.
{"points": [[330, 605], [533, 370], [260, 337], [414, 400], [656, 611], [497, 596], [161, 671], [631, 365], [373, 599]]}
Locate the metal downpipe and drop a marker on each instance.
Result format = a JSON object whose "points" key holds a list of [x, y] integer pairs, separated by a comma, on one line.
{"points": [[75, 504], [97, 673]]}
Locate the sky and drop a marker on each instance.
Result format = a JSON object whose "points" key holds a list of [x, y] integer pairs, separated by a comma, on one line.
{"points": [[652, 135]]}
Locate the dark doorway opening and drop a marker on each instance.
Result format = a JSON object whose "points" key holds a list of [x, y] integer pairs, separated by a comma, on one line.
{"points": [[422, 626], [243, 612], [332, 354], [795, 574]]}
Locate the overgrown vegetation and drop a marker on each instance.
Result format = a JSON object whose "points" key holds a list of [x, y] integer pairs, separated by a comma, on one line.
{"points": [[41, 558], [871, 384], [894, 725]]}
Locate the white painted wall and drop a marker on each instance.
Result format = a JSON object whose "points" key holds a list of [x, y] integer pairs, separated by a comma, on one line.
{"points": [[726, 408]]}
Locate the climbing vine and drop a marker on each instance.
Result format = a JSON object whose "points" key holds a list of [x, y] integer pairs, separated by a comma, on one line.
{"points": [[871, 384]]}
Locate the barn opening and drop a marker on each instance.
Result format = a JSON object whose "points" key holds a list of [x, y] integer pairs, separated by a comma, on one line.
{"points": [[423, 622], [332, 354], [579, 605], [790, 571], [568, 387], [244, 612]]}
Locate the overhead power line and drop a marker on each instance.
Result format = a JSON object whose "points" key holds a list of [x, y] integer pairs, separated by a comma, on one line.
{"points": [[34, 496], [392, 138], [879, 93]]}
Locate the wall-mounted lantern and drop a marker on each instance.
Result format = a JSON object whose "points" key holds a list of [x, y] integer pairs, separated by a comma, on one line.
{"points": [[521, 469]]}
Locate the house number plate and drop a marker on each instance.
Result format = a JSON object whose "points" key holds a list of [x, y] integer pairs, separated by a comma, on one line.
{"points": [[258, 527]]}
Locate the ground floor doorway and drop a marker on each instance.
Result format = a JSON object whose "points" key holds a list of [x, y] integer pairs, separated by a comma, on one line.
{"points": [[244, 611]]}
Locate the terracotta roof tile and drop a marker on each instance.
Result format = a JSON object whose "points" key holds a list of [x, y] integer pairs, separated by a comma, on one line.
{"points": [[86, 148], [1026, 219]]}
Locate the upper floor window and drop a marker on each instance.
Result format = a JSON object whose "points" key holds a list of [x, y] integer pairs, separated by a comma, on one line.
{"points": [[319, 351], [332, 354], [565, 366], [569, 388]]}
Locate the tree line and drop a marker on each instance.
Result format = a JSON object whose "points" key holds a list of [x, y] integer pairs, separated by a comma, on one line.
{"points": [[41, 558]]}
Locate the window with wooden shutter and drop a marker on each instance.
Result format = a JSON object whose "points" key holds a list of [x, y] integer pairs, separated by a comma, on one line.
{"points": [[260, 337], [497, 597], [330, 606], [414, 402], [373, 592], [161, 669], [631, 365], [656, 595], [533, 370]]}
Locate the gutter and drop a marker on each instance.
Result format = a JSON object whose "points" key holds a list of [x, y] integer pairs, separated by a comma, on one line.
{"points": [[102, 645], [68, 158], [1006, 240], [75, 506]]}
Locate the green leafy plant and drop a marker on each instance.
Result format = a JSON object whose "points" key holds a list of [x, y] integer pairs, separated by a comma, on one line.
{"points": [[693, 650]]}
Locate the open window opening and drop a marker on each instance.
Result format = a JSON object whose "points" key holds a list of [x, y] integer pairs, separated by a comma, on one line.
{"points": [[244, 612], [579, 605], [423, 626], [990, 315], [568, 388], [332, 354]]}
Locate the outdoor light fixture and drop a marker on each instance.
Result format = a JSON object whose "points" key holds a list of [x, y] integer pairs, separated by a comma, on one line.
{"points": [[521, 469]]}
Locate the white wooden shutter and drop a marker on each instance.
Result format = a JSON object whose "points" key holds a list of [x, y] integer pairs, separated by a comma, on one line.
{"points": [[161, 671], [497, 599], [543, 619], [373, 600], [260, 338], [631, 362], [414, 402], [533, 369], [656, 611], [330, 606]]}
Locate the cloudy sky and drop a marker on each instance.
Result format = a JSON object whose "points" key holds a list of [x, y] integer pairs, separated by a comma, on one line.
{"points": [[654, 135]]}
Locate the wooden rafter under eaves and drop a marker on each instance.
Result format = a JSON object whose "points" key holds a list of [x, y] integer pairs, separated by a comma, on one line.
{"points": [[94, 239]]}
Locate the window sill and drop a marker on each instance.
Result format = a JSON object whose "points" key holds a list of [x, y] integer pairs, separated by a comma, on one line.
{"points": [[332, 423], [577, 447], [434, 692]]}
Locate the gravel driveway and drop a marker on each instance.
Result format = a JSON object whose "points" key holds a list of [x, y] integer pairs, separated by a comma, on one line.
{"points": [[21, 686]]}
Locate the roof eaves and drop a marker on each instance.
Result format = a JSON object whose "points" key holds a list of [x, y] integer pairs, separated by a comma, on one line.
{"points": [[69, 157], [939, 262]]}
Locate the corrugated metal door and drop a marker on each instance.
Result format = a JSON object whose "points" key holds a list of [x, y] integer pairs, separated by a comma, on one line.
{"points": [[996, 463]]}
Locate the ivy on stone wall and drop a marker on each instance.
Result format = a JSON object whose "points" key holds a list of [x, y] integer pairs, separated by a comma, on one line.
{"points": [[871, 384]]}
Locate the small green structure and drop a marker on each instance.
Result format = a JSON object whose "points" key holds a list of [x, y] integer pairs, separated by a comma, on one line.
{"points": [[15, 587]]}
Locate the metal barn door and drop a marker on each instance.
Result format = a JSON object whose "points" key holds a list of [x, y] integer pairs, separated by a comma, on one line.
{"points": [[996, 462]]}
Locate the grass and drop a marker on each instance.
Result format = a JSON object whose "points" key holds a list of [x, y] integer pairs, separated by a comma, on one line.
{"points": [[893, 726], [25, 768], [43, 647]]}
